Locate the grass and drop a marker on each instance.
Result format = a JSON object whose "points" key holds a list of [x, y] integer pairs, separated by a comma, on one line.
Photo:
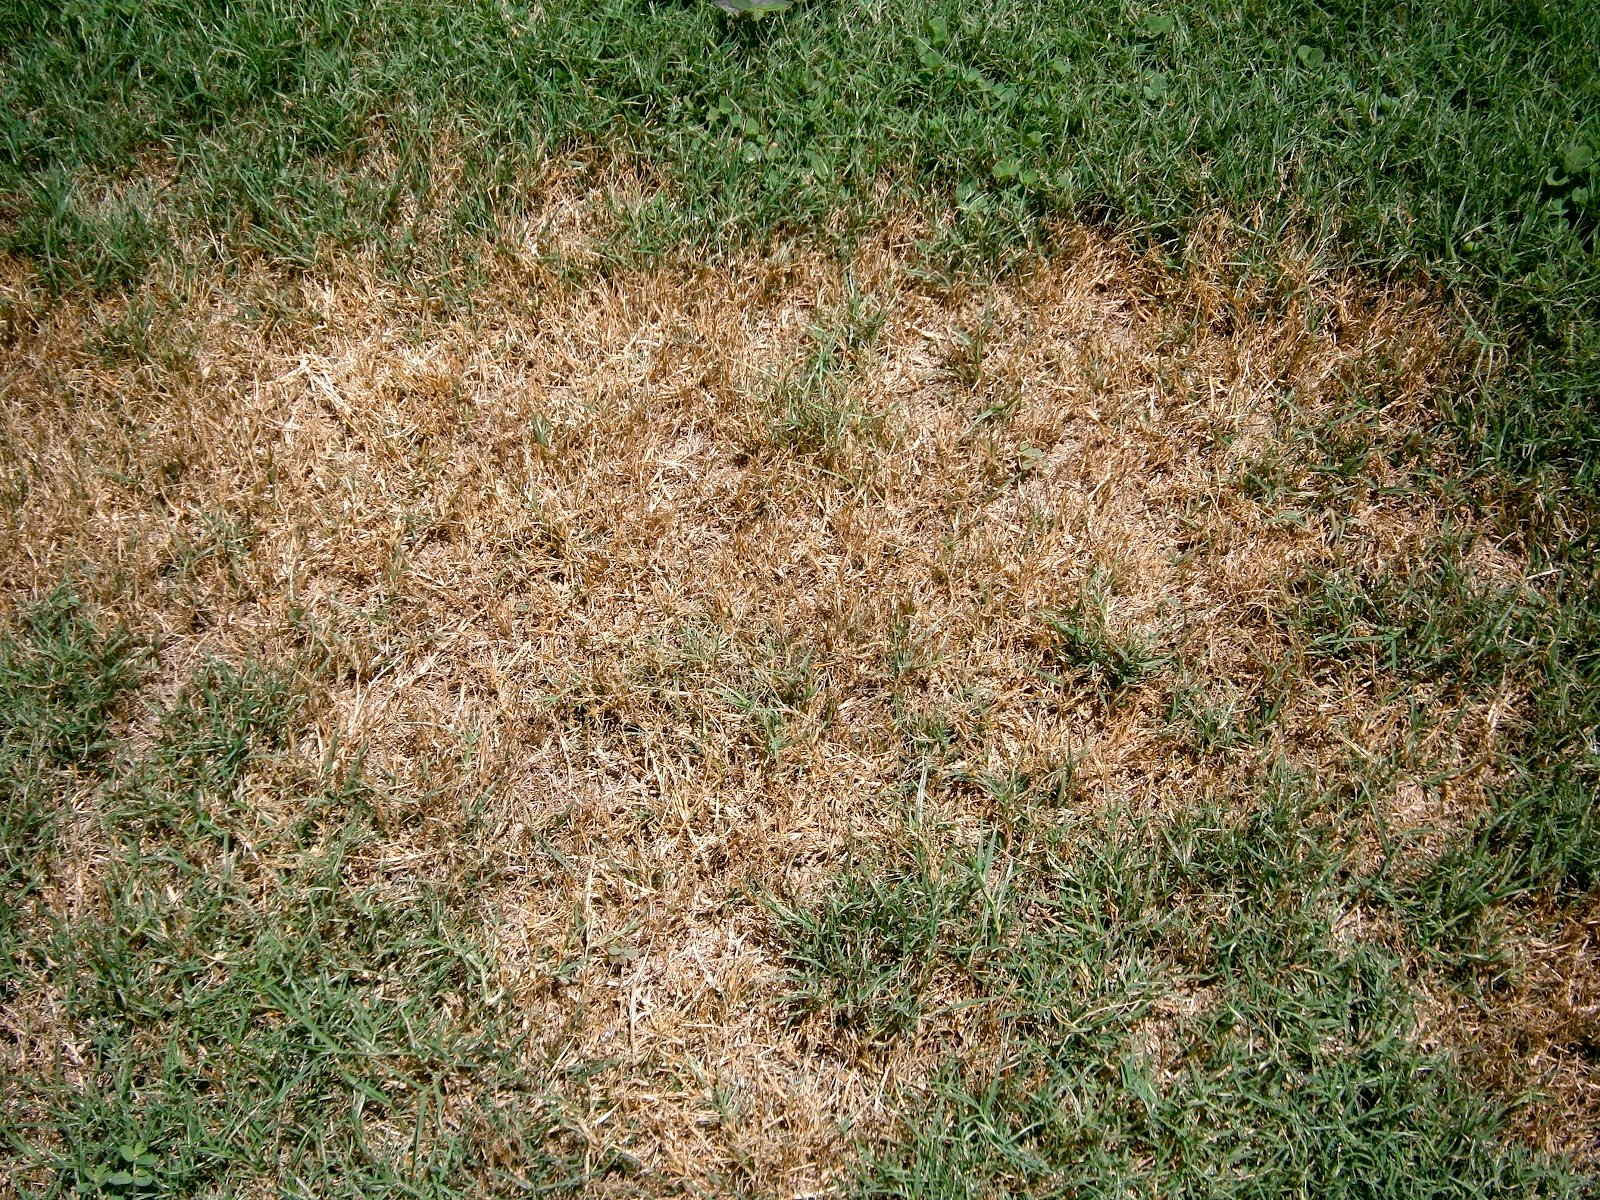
{"points": [[1454, 146], [818, 415], [62, 683], [1180, 1015], [1080, 642], [1433, 623], [59, 687], [654, 784], [1155, 1006], [888, 600], [239, 1007]]}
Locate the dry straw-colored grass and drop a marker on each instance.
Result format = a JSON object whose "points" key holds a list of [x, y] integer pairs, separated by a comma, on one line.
{"points": [[594, 549]]}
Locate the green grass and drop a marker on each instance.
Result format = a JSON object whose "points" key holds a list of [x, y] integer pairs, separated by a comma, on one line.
{"points": [[248, 1004], [61, 681], [816, 413], [1079, 643], [1159, 1007], [1538, 846], [1432, 626], [1429, 622]]}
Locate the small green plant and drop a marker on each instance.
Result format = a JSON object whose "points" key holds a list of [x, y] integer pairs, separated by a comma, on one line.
{"points": [[133, 1173], [925, 730], [1079, 641], [968, 348], [820, 413], [1220, 717], [769, 698], [61, 678]]}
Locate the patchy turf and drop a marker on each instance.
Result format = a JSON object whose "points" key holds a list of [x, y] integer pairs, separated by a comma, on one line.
{"points": [[888, 601], [781, 727], [1462, 142], [212, 984]]}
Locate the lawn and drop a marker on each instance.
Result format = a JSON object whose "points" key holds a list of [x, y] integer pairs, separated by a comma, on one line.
{"points": [[886, 600]]}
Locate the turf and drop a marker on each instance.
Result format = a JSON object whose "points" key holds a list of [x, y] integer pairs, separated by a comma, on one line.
{"points": [[1460, 142], [243, 1009], [1296, 1075], [887, 599]]}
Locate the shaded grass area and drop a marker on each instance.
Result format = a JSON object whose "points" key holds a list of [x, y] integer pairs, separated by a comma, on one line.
{"points": [[1460, 142], [233, 999]]}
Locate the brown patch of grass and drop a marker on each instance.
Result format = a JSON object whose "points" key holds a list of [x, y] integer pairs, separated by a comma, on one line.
{"points": [[1536, 1036], [678, 574]]}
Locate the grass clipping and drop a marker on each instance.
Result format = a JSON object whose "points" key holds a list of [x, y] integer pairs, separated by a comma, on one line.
{"points": [[687, 581]]}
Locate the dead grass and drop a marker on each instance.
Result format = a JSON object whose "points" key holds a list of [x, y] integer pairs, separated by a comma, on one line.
{"points": [[561, 558], [1538, 1034]]}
